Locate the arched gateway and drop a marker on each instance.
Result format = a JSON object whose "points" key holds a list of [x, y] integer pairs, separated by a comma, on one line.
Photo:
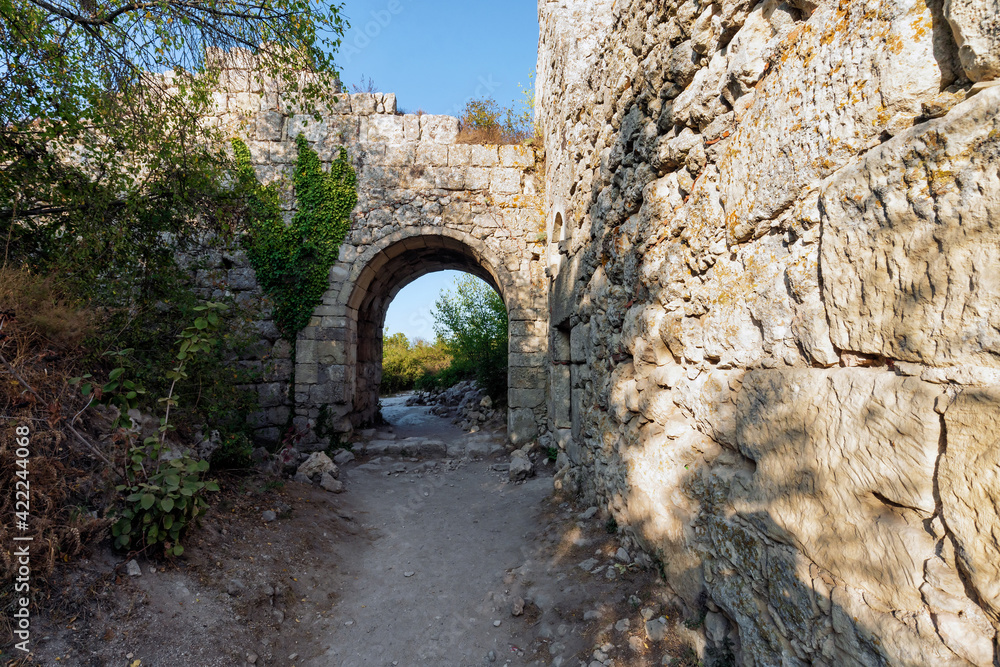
{"points": [[425, 202], [339, 357]]}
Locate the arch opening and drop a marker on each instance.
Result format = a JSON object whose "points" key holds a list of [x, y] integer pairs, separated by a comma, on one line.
{"points": [[385, 274]]}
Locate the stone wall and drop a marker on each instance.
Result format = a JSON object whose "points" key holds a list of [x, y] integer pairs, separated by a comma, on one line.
{"points": [[425, 203], [775, 312]]}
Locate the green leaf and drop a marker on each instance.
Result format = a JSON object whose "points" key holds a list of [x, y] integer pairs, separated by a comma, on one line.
{"points": [[147, 501], [168, 521], [178, 550], [116, 373], [166, 504], [201, 323], [212, 486]]}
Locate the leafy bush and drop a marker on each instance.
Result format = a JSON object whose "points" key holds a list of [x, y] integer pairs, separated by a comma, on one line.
{"points": [[472, 322], [163, 497], [405, 363]]}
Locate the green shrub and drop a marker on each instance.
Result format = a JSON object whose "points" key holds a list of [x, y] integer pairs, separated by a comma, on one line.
{"points": [[405, 363], [161, 497], [472, 322]]}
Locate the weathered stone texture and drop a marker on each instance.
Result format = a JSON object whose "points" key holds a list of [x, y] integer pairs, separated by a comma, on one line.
{"points": [[771, 246], [970, 489], [976, 26], [910, 263]]}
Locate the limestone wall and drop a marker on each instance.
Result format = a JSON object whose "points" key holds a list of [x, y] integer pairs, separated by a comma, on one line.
{"points": [[425, 203], [775, 310]]}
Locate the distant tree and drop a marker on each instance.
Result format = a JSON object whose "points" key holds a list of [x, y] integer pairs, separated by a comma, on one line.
{"points": [[472, 322], [405, 363]]}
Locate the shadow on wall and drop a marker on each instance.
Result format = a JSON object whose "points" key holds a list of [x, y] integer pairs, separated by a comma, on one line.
{"points": [[811, 517]]}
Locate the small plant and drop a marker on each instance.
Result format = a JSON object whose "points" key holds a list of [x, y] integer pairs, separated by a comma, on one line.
{"points": [[552, 453], [165, 496], [483, 121], [611, 526], [119, 391], [365, 85]]}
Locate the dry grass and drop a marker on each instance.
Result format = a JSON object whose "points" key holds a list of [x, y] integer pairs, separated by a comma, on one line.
{"points": [[41, 331]]}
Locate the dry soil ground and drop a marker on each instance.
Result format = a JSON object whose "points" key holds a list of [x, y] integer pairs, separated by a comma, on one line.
{"points": [[419, 562]]}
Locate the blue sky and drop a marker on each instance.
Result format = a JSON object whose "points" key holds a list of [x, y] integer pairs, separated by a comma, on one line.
{"points": [[436, 56]]}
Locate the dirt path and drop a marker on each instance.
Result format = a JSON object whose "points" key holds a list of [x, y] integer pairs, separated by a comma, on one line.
{"points": [[434, 561]]}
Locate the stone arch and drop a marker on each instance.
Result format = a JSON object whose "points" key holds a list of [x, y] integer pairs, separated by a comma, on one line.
{"points": [[339, 357], [382, 271]]}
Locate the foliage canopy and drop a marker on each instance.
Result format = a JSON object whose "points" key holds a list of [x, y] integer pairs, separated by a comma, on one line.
{"points": [[106, 158], [472, 322]]}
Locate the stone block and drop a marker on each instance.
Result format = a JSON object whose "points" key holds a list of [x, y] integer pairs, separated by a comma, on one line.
{"points": [[773, 157], [472, 155], [244, 104], [447, 178], [269, 125], [331, 352], [438, 129], [305, 374], [305, 351], [432, 155], [284, 152], [271, 394], [527, 359], [525, 377], [477, 178], [399, 156], [389, 103], [267, 436], [579, 342], [260, 151], [363, 104], [506, 181], [976, 29], [241, 279], [522, 426], [386, 129], [411, 127], [340, 105], [837, 453], [909, 256], [313, 130], [525, 398], [341, 130], [516, 156], [562, 397], [527, 344]]}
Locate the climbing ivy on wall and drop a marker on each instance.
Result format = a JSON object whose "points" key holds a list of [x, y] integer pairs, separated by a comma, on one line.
{"points": [[292, 262]]}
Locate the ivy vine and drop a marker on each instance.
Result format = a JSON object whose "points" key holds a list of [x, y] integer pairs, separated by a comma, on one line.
{"points": [[292, 262]]}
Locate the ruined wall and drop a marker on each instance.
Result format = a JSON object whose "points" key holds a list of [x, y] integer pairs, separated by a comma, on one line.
{"points": [[425, 203], [775, 310]]}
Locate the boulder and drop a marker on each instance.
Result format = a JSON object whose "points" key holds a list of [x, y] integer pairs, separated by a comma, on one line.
{"points": [[318, 464]]}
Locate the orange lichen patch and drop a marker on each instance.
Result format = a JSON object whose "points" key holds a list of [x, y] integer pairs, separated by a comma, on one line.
{"points": [[894, 44]]}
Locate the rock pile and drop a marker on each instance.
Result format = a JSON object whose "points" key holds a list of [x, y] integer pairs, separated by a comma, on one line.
{"points": [[465, 403]]}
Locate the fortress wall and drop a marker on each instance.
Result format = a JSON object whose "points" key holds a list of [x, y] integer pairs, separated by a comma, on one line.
{"points": [[775, 312]]}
